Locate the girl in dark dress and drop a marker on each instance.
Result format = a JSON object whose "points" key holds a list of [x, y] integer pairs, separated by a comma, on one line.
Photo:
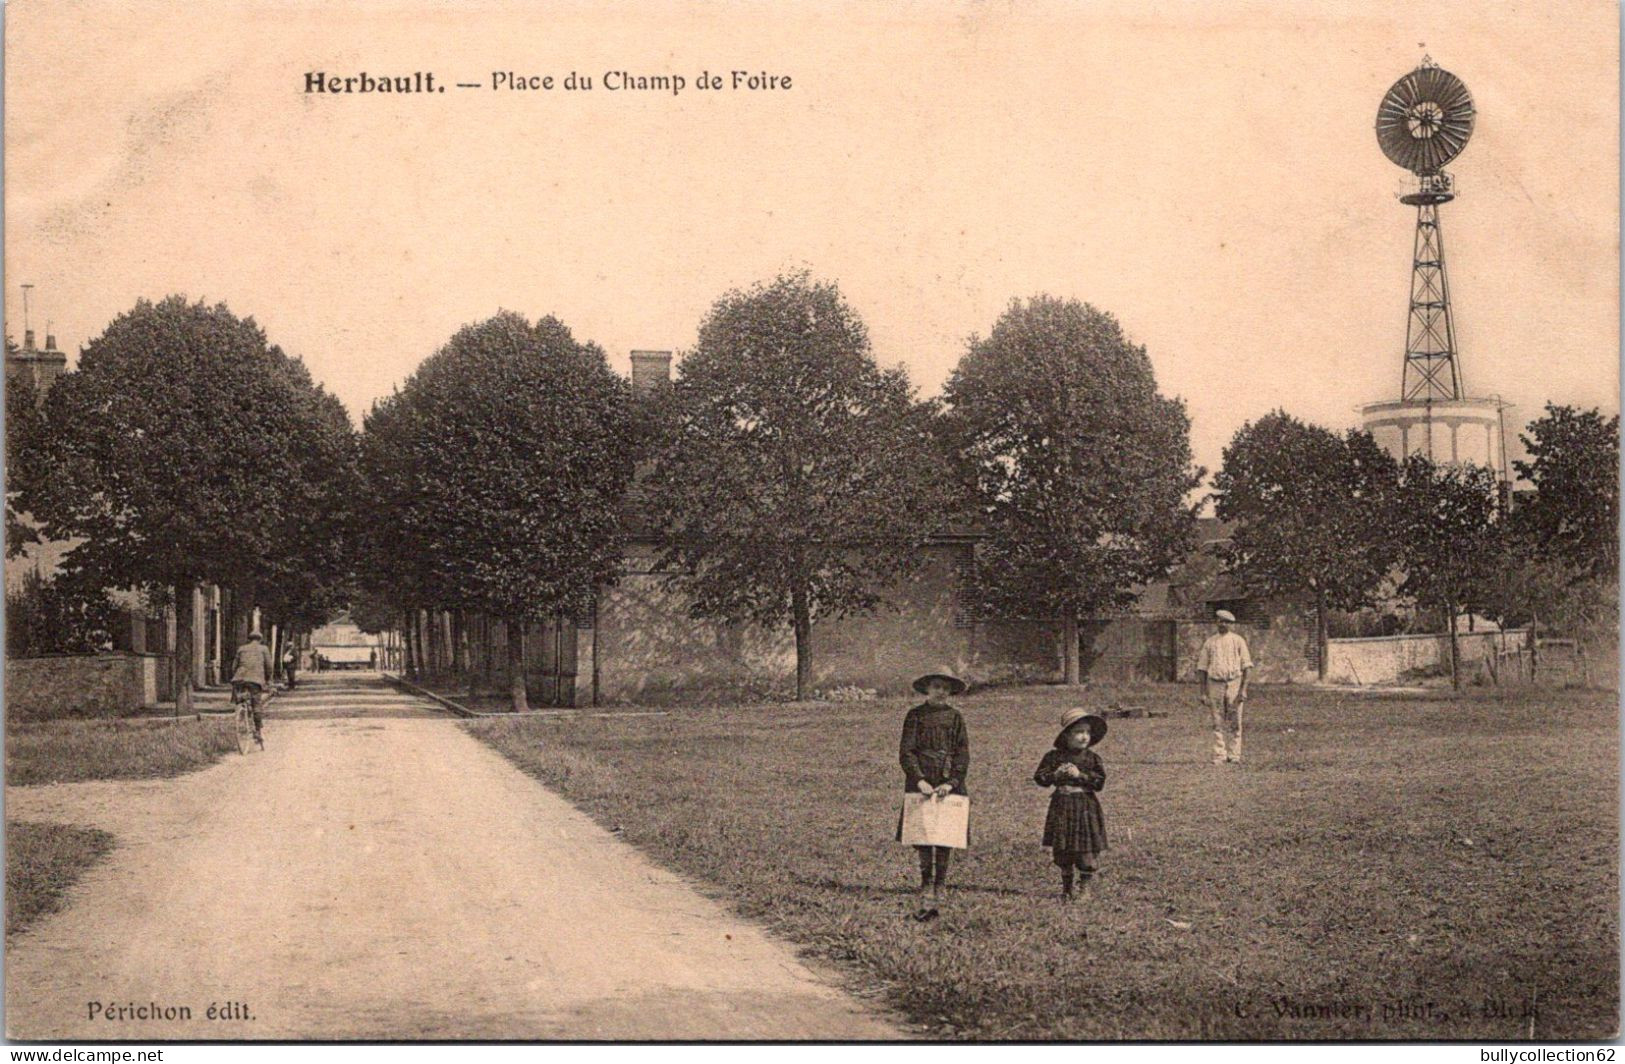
{"points": [[1074, 830], [935, 755]]}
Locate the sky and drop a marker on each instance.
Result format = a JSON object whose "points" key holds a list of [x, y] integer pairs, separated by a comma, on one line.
{"points": [[1207, 172]]}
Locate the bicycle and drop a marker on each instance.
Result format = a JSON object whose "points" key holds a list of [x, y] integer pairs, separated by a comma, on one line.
{"points": [[243, 697]]}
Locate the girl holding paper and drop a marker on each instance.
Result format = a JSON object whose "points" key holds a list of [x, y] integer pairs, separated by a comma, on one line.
{"points": [[935, 755]]}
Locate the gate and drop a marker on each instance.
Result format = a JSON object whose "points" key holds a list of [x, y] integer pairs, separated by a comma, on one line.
{"points": [[1128, 649]]}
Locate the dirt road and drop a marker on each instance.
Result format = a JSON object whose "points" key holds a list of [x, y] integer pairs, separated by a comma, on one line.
{"points": [[378, 874]]}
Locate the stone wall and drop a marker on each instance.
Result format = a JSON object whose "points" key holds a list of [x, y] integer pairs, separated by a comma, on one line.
{"points": [[93, 685], [649, 649], [1393, 658]]}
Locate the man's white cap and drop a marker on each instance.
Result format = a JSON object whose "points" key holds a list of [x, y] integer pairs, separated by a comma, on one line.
{"points": [[1226, 615]]}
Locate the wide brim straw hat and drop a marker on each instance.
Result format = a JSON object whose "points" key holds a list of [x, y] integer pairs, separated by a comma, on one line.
{"points": [[1072, 718], [956, 686], [1225, 615]]}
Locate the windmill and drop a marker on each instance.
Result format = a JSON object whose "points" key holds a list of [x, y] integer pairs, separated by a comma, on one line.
{"points": [[1423, 122]]}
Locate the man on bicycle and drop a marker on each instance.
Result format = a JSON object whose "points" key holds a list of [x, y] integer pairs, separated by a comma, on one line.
{"points": [[253, 669]]}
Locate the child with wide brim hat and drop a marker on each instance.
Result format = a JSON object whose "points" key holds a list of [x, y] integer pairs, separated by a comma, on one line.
{"points": [[935, 756], [1074, 826], [956, 686]]}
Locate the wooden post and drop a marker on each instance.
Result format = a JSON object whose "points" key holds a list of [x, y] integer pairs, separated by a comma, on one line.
{"points": [[1455, 648], [1322, 649]]}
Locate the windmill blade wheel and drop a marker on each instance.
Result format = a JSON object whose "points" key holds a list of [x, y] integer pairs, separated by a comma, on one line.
{"points": [[1425, 119]]}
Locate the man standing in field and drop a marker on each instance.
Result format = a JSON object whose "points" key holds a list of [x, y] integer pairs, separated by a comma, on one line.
{"points": [[1224, 664]]}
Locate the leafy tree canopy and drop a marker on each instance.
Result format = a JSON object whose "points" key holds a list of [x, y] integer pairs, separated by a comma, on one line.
{"points": [[1080, 469], [496, 474], [1446, 525], [1312, 511], [24, 423], [795, 477], [181, 450], [1574, 467]]}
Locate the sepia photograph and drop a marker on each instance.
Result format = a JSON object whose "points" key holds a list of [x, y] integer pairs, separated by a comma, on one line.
{"points": [[972, 521]]}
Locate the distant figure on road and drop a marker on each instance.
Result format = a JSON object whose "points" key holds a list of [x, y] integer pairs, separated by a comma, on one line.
{"points": [[253, 669], [290, 664], [1224, 664], [372, 659]]}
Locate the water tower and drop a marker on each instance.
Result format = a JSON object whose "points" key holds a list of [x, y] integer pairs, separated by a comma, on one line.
{"points": [[1424, 121]]}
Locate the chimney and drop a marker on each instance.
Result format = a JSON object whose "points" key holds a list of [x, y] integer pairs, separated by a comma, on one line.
{"points": [[28, 339], [650, 369]]}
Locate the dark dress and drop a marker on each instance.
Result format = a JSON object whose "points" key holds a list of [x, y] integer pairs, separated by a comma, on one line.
{"points": [[935, 748], [1074, 823]]}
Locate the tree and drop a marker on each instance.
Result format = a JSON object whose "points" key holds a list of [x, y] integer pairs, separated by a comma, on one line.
{"points": [[496, 476], [1524, 586], [1446, 524], [167, 449], [373, 613], [1078, 467], [23, 427], [795, 478], [309, 579], [57, 617], [1574, 467], [1312, 514]]}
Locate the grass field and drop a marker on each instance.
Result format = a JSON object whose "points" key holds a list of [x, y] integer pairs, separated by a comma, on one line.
{"points": [[68, 751], [1382, 867], [42, 861]]}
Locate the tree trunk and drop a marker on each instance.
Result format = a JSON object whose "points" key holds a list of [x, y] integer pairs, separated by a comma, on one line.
{"points": [[1534, 646], [459, 646], [414, 668], [516, 665], [183, 650], [1069, 649], [465, 657], [801, 615], [1498, 651], [420, 668], [241, 619], [487, 651], [1322, 642], [420, 620], [1455, 648]]}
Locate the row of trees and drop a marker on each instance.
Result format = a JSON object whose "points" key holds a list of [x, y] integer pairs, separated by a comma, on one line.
{"points": [[1336, 520], [786, 475], [186, 450], [495, 479]]}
